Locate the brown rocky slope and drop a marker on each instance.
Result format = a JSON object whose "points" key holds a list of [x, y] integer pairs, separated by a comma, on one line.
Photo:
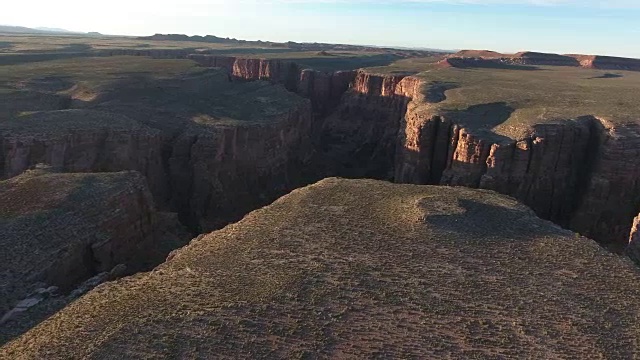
{"points": [[58, 230], [362, 268], [215, 144]]}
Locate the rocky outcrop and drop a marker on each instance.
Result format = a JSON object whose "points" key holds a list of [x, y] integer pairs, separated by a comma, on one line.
{"points": [[475, 273], [62, 229], [580, 173], [536, 58], [611, 197], [607, 62], [358, 139], [323, 89], [82, 141], [376, 132], [219, 172], [495, 60], [633, 250]]}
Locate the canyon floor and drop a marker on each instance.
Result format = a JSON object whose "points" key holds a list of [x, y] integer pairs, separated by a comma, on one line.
{"points": [[115, 152]]}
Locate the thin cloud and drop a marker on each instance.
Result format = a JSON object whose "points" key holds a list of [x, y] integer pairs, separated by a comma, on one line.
{"points": [[622, 4]]}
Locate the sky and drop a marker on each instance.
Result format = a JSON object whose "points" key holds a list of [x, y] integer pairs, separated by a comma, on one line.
{"points": [[606, 27]]}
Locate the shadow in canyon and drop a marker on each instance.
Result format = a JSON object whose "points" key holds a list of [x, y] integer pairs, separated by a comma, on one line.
{"points": [[436, 92]]}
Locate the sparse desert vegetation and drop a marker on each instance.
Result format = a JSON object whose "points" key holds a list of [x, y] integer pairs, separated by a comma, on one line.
{"points": [[114, 151], [364, 268]]}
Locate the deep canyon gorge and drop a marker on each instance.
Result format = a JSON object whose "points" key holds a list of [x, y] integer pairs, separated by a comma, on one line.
{"points": [[582, 173]]}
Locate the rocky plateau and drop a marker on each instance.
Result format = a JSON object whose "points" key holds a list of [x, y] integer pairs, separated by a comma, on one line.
{"points": [[212, 145]]}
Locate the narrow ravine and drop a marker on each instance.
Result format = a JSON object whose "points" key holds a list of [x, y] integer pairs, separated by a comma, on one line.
{"points": [[583, 173]]}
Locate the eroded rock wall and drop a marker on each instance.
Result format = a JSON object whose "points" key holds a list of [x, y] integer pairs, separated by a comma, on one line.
{"points": [[324, 89], [83, 141], [75, 225], [633, 250], [358, 139], [581, 173], [219, 173], [612, 195], [59, 230]]}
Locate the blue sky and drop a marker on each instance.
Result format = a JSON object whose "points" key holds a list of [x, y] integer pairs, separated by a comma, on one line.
{"points": [[564, 26]]}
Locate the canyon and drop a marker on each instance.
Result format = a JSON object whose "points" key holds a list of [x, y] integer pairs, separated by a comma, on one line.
{"points": [[582, 173], [63, 233], [211, 144], [363, 269]]}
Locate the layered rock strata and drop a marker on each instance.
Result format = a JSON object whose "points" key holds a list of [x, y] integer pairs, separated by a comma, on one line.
{"points": [[633, 250], [322, 88], [580, 173], [358, 139], [220, 172], [211, 150], [80, 140], [564, 170]]}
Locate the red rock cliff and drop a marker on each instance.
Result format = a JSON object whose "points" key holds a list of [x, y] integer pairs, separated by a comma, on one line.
{"points": [[582, 173], [633, 250], [323, 89], [220, 173], [358, 139]]}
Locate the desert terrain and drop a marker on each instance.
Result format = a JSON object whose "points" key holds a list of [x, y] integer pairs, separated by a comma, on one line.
{"points": [[198, 197]]}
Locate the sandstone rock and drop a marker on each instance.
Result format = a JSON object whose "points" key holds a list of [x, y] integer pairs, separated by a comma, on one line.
{"points": [[564, 170], [221, 172], [633, 249], [323, 89], [611, 197], [359, 138]]}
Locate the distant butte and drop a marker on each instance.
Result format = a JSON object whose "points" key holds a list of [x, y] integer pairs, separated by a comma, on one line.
{"points": [[535, 58]]}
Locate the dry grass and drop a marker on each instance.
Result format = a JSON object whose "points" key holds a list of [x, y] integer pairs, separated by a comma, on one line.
{"points": [[49, 43], [539, 95], [127, 88], [93, 72], [364, 269]]}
